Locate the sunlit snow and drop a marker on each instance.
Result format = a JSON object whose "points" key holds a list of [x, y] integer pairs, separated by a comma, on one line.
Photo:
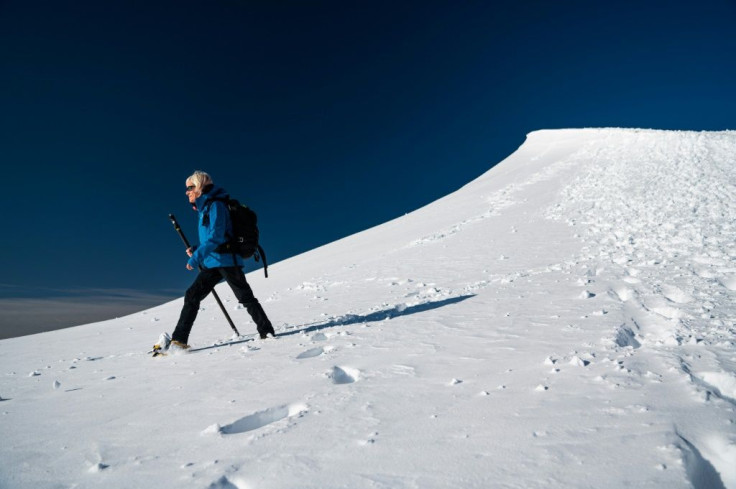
{"points": [[564, 321]]}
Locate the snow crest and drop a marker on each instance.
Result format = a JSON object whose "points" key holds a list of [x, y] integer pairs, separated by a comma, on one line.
{"points": [[565, 320]]}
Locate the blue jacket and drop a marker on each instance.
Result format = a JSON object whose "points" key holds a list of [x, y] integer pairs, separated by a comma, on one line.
{"points": [[214, 229]]}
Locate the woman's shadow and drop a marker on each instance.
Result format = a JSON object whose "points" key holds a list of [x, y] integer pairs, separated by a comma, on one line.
{"points": [[390, 313]]}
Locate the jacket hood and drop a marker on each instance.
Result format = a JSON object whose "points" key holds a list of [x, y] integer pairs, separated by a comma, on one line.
{"points": [[210, 192]]}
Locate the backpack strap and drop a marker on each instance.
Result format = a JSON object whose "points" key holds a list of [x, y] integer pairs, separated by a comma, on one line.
{"points": [[262, 255], [206, 210], [206, 213]]}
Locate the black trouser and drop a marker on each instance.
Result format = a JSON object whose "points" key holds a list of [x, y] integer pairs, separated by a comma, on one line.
{"points": [[203, 285]]}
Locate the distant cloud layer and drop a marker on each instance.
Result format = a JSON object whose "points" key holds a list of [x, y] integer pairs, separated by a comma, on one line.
{"points": [[21, 316]]}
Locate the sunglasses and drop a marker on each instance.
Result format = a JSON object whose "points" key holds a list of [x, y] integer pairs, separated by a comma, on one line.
{"points": [[191, 187]]}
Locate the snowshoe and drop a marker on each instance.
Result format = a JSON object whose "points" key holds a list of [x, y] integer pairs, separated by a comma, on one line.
{"points": [[162, 345]]}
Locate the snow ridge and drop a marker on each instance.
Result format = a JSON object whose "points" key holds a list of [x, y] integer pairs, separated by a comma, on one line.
{"points": [[565, 320]]}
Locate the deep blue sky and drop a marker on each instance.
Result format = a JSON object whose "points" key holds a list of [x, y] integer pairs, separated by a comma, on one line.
{"points": [[326, 117]]}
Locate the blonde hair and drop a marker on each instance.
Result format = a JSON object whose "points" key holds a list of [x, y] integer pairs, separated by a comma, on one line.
{"points": [[200, 180]]}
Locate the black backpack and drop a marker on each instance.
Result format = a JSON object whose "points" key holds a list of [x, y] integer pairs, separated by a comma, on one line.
{"points": [[244, 239]]}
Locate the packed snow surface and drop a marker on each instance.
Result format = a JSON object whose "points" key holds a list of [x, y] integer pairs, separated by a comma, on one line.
{"points": [[564, 321]]}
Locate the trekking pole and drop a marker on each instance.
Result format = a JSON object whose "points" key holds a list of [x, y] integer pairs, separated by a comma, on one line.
{"points": [[217, 298]]}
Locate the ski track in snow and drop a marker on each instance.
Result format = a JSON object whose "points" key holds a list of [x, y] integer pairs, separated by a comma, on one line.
{"points": [[567, 320]]}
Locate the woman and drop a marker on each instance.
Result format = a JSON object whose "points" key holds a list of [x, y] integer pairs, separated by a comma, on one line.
{"points": [[214, 226]]}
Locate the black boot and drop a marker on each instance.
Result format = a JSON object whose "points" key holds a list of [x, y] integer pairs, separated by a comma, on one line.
{"points": [[259, 317]]}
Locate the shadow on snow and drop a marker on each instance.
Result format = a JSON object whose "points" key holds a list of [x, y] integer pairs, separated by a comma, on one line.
{"points": [[390, 313], [349, 319]]}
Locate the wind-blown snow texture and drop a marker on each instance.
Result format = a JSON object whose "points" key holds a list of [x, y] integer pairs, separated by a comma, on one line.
{"points": [[565, 320]]}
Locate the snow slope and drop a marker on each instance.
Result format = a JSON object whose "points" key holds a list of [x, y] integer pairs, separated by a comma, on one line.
{"points": [[565, 320]]}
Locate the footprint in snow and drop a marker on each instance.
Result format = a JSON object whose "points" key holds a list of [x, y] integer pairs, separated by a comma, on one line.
{"points": [[311, 353], [315, 352], [700, 470], [343, 375], [625, 337], [259, 419]]}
